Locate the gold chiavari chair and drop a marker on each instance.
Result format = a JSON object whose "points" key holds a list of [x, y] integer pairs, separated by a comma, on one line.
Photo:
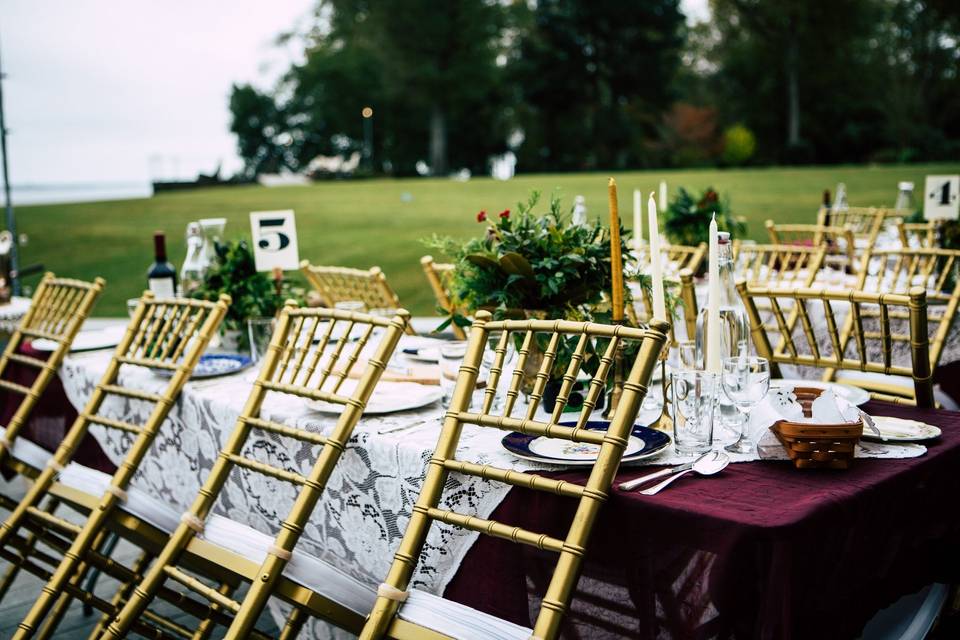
{"points": [[688, 298], [57, 312], [780, 265], [342, 284], [166, 335], [840, 241], [401, 612], [922, 235], [937, 271], [438, 275], [832, 353], [273, 565], [685, 257], [865, 222]]}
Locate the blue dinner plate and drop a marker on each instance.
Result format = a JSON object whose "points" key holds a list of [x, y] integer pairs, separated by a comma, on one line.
{"points": [[212, 365], [644, 442]]}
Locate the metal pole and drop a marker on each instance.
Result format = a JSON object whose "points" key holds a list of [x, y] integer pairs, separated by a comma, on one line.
{"points": [[11, 221]]}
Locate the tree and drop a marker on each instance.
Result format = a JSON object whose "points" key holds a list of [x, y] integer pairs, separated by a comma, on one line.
{"points": [[256, 122], [593, 76]]}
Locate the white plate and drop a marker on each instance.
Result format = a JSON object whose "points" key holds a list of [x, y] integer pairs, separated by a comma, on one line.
{"points": [[901, 430], [388, 397], [854, 395], [88, 340]]}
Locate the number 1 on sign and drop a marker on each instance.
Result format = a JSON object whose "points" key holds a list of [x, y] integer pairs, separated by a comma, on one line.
{"points": [[940, 201]]}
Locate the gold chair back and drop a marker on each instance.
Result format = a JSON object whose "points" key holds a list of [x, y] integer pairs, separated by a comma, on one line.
{"points": [[873, 351], [310, 356], [840, 241], [686, 257], [779, 265], [598, 343], [922, 235], [438, 275], [167, 335], [57, 311], [342, 284], [865, 222]]}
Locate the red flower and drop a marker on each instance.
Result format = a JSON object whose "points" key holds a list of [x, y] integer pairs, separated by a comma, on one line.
{"points": [[481, 216], [505, 213]]}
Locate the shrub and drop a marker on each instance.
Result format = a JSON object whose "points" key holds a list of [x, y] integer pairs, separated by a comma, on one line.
{"points": [[739, 145]]}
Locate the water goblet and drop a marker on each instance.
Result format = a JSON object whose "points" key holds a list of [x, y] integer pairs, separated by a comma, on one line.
{"points": [[746, 381]]}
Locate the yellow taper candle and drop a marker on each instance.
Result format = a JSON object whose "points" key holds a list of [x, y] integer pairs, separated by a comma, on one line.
{"points": [[713, 302], [656, 269], [616, 259]]}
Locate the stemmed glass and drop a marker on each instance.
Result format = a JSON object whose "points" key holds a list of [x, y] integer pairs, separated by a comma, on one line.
{"points": [[746, 381]]}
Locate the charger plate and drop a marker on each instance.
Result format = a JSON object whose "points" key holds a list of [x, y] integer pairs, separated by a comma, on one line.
{"points": [[643, 443]]}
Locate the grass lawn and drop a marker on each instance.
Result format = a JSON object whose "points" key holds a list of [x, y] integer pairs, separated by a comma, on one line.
{"points": [[365, 223]]}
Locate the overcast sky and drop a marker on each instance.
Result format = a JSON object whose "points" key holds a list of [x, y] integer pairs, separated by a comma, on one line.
{"points": [[129, 90]]}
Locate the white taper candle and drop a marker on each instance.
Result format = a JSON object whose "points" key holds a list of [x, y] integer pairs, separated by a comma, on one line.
{"points": [[663, 195], [656, 275], [713, 302]]}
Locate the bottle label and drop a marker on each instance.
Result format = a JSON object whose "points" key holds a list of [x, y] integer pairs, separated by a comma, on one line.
{"points": [[161, 287]]}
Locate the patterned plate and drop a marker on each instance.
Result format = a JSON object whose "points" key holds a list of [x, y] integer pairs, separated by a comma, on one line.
{"points": [[901, 430], [212, 365], [643, 443]]}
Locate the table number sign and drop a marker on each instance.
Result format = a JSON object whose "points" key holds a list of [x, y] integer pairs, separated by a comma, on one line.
{"points": [[940, 201], [274, 240]]}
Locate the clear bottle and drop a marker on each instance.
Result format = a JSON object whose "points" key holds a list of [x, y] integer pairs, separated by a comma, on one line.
{"points": [[195, 263], [735, 330]]}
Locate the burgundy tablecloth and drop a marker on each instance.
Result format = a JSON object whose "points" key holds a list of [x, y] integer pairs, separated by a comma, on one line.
{"points": [[52, 416], [760, 551]]}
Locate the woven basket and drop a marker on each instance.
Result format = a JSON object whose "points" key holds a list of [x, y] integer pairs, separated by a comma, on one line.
{"points": [[817, 446]]}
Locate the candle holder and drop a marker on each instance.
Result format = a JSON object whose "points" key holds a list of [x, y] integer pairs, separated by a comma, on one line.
{"points": [[664, 422]]}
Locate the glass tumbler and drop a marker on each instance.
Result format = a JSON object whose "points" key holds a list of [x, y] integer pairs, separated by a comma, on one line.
{"points": [[693, 396]]}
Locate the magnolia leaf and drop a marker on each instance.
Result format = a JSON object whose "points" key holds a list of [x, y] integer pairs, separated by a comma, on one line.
{"points": [[482, 260], [514, 263]]}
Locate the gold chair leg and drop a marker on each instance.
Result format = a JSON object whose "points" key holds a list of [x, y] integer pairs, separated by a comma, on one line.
{"points": [[121, 596], [32, 539], [67, 568], [294, 624], [256, 599], [207, 625]]}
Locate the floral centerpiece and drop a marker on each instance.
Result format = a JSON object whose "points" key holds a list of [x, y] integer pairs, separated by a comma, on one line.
{"points": [[530, 265], [254, 294], [687, 219]]}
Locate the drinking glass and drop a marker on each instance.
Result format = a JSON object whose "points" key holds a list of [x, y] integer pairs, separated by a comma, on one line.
{"points": [[693, 395], [746, 381], [259, 332]]}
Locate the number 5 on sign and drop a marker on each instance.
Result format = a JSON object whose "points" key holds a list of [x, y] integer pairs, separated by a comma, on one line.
{"points": [[274, 240], [940, 201]]}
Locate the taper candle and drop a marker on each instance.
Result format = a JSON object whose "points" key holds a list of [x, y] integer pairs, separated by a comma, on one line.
{"points": [[663, 195], [713, 302], [637, 221], [656, 269], [616, 259]]}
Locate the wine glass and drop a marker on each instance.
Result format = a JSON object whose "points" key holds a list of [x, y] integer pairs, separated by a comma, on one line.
{"points": [[746, 381]]}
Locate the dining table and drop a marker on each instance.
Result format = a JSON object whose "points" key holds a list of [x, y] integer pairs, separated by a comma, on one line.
{"points": [[761, 550]]}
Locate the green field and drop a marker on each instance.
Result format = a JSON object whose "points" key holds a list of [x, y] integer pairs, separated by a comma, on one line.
{"points": [[365, 223]]}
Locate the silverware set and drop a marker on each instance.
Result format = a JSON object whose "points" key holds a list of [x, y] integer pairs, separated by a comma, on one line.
{"points": [[707, 464]]}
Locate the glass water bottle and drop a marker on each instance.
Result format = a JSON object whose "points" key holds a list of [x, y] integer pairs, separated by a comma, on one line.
{"points": [[734, 329]]}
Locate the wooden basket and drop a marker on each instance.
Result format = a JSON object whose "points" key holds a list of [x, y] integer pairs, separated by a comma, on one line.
{"points": [[817, 446]]}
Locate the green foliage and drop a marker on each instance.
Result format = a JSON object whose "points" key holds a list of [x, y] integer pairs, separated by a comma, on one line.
{"points": [[538, 263], [253, 293], [687, 220], [739, 145]]}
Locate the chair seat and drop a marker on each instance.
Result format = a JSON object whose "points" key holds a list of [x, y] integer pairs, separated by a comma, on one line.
{"points": [[139, 503], [909, 618], [303, 568], [29, 452], [458, 620]]}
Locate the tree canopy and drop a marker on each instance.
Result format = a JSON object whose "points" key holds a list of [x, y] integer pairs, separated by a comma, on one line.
{"points": [[606, 84]]}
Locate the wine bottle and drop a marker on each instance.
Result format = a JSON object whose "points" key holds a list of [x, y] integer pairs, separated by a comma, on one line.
{"points": [[161, 276]]}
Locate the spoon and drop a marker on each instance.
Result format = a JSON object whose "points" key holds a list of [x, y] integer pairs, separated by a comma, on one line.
{"points": [[703, 467], [630, 485]]}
